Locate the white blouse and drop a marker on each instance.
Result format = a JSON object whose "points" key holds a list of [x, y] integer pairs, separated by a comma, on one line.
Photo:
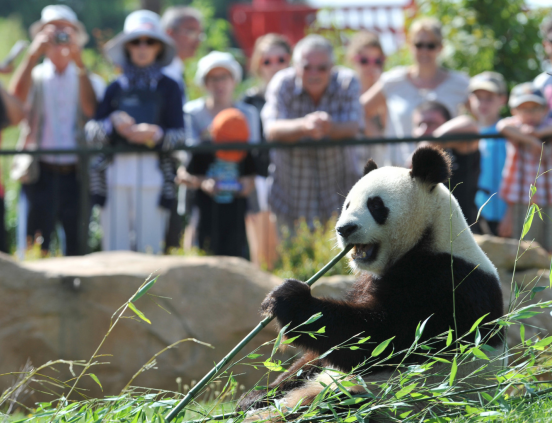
{"points": [[403, 97]]}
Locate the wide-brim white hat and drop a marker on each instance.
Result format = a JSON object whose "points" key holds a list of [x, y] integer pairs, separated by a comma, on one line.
{"points": [[60, 12], [217, 59], [142, 23]]}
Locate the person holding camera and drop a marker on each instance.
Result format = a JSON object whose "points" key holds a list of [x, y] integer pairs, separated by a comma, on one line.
{"points": [[61, 95]]}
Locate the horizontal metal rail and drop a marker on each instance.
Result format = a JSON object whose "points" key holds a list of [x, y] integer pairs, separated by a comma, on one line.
{"points": [[211, 147]]}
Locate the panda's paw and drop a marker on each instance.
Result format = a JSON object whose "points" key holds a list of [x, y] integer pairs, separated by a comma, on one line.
{"points": [[290, 292]]}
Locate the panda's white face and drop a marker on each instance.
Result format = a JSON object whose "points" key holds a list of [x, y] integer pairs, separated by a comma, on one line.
{"points": [[384, 215]]}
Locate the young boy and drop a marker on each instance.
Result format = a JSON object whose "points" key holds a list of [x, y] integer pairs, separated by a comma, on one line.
{"points": [[544, 81], [223, 181], [487, 98], [525, 130]]}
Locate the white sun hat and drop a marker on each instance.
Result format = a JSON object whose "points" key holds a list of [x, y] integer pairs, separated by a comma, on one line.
{"points": [[142, 23], [217, 59], [59, 12]]}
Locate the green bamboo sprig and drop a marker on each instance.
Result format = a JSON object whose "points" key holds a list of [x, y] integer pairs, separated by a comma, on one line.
{"points": [[221, 364]]}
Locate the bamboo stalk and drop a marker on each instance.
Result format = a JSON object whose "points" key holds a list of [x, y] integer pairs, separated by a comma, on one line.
{"points": [[221, 364]]}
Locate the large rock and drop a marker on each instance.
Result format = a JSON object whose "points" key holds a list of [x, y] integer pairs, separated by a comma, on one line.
{"points": [[503, 252], [60, 308]]}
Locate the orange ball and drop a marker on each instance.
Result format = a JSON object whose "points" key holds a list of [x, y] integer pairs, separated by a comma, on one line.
{"points": [[230, 126]]}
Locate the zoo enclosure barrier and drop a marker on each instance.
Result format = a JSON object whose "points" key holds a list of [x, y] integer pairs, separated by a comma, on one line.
{"points": [[88, 227]]}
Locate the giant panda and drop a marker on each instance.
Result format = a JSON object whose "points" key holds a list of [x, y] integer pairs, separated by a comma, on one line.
{"points": [[401, 223]]}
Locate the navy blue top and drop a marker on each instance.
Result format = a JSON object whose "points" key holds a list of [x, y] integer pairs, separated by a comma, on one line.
{"points": [[171, 116]]}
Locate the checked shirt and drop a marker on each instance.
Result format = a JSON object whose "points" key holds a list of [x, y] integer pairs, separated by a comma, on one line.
{"points": [[311, 182]]}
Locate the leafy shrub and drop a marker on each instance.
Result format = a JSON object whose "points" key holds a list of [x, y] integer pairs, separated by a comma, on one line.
{"points": [[305, 250]]}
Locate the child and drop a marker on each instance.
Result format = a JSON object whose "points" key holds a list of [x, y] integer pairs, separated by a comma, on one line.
{"points": [[223, 181], [487, 97], [525, 131]]}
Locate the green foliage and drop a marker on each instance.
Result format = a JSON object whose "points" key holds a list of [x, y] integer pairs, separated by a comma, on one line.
{"points": [[481, 35], [307, 251]]}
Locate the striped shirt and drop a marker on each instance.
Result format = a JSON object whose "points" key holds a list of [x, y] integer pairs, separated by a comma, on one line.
{"points": [[522, 167], [311, 182]]}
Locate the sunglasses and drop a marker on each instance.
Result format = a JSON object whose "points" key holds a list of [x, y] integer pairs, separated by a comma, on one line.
{"points": [[145, 41], [369, 61], [319, 68], [280, 60], [427, 46]]}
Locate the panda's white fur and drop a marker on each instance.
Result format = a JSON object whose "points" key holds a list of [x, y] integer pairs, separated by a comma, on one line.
{"points": [[413, 208]]}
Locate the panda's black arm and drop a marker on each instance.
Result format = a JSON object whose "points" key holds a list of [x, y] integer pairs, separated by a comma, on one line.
{"points": [[344, 322]]}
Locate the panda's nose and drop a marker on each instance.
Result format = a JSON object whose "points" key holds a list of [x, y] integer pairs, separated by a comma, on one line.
{"points": [[347, 229]]}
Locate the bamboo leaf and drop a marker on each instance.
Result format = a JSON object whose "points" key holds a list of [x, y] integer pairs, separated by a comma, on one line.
{"points": [[474, 326], [279, 339], [406, 390], [274, 366], [483, 206], [440, 359], [528, 221], [449, 337], [537, 289], [381, 347], [420, 329], [540, 345], [138, 313], [453, 371], [533, 191], [95, 379], [253, 356], [321, 330], [477, 337], [479, 354], [290, 340], [313, 319], [363, 340], [144, 289]]}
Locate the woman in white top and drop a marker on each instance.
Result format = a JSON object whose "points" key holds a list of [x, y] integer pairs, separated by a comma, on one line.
{"points": [[404, 88]]}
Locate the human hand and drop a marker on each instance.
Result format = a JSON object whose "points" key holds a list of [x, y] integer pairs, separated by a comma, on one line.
{"points": [[75, 51], [41, 42], [209, 186], [325, 122], [505, 228], [144, 133], [184, 178], [316, 125], [122, 122], [527, 129], [247, 184]]}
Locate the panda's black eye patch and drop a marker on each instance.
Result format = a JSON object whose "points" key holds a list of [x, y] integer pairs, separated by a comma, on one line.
{"points": [[377, 209]]}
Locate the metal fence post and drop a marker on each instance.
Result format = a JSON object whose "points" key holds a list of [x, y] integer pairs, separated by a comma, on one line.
{"points": [[84, 202]]}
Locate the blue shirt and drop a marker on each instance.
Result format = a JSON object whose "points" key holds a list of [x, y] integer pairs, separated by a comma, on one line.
{"points": [[493, 157]]}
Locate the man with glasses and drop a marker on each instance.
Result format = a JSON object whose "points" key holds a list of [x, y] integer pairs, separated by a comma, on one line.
{"points": [[184, 25], [313, 100], [544, 81]]}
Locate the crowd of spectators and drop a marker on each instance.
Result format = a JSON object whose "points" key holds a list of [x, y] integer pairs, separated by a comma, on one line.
{"points": [[237, 203]]}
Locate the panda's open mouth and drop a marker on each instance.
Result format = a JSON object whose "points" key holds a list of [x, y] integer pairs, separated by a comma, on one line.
{"points": [[365, 252]]}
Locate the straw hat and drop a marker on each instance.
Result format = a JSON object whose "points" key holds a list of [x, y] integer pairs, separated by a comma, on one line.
{"points": [[60, 12], [217, 59], [139, 24]]}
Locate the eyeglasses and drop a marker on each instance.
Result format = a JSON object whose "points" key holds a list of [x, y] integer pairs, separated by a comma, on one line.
{"points": [[319, 68], [427, 46], [146, 41], [363, 60], [280, 60]]}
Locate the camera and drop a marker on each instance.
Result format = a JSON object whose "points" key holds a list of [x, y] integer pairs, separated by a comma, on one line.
{"points": [[61, 37]]}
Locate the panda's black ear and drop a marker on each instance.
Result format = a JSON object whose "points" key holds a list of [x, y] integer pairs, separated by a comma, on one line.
{"points": [[431, 165], [369, 166]]}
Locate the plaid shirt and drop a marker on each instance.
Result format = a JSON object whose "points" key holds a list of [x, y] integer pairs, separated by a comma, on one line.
{"points": [[521, 168], [311, 182]]}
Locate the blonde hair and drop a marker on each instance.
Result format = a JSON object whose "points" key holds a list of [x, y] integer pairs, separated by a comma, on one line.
{"points": [[360, 40], [426, 24], [262, 44]]}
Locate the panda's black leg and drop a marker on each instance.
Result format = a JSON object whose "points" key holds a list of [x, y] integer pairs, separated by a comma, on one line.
{"points": [[283, 384]]}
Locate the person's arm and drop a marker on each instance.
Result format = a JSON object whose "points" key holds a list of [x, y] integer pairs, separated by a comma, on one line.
{"points": [[286, 130], [458, 125], [373, 99], [13, 107], [513, 132], [343, 130], [545, 132]]}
